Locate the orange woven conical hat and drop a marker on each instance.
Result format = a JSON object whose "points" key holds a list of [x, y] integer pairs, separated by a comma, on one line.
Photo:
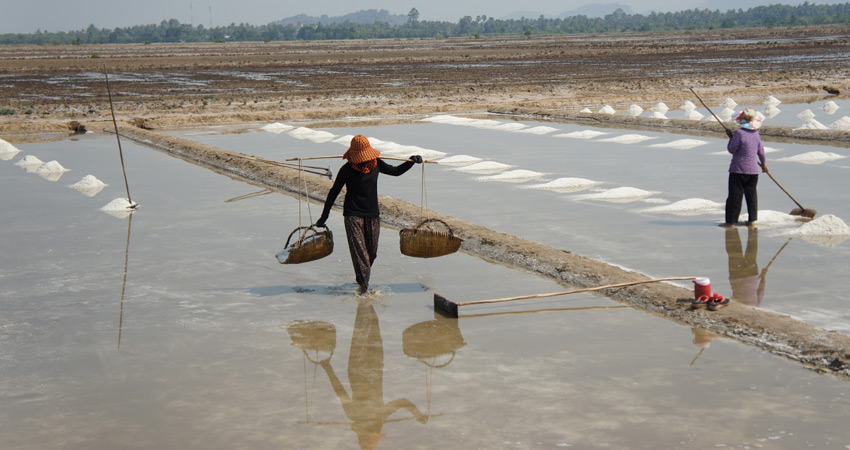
{"points": [[360, 150]]}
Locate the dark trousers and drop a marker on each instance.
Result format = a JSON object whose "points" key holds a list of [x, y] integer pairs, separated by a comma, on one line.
{"points": [[742, 186], [362, 234]]}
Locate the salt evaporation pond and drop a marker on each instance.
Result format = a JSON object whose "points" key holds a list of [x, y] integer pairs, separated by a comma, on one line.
{"points": [[180, 312]]}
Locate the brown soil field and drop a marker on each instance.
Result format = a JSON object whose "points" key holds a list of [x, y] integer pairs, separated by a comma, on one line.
{"points": [[177, 85], [204, 83]]}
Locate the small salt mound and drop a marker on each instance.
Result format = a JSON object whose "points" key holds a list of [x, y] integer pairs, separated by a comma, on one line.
{"points": [[635, 110], [627, 139], [51, 167], [484, 167], [827, 230], [89, 185], [620, 195], [771, 149], [657, 115], [459, 160], [691, 206], [29, 161], [771, 112], [693, 115], [509, 126], [565, 185], [484, 123], [119, 208], [660, 107], [812, 125], [806, 115], [537, 130], [584, 134], [682, 144], [449, 120], [276, 127], [344, 140], [726, 114], [513, 176], [773, 219], [586, 111], [729, 103], [812, 157], [771, 101], [830, 107], [7, 150], [688, 105], [312, 135], [607, 109], [842, 124]]}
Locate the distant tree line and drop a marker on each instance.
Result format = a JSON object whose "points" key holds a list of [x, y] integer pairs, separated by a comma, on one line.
{"points": [[618, 21]]}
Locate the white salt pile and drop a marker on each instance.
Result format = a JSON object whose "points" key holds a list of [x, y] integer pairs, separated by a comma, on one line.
{"points": [[404, 151], [773, 219], [771, 112], [812, 125], [586, 111], [842, 124], [729, 103], [536, 130], [657, 115], [691, 206], [7, 150], [660, 107], [512, 176], [827, 230], [276, 127], [693, 115], [119, 208], [830, 107], [89, 185], [618, 195], [682, 144], [459, 160], [51, 167], [817, 157], [29, 161], [806, 115], [317, 136], [509, 126], [607, 109], [565, 185], [448, 119], [584, 134], [726, 114], [484, 167], [771, 101], [771, 149], [688, 105], [634, 110], [346, 140], [627, 139]]}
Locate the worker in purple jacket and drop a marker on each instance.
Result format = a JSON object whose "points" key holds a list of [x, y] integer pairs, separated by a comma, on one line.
{"points": [[747, 155]]}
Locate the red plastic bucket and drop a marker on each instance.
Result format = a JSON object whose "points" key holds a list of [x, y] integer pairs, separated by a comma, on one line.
{"points": [[702, 286]]}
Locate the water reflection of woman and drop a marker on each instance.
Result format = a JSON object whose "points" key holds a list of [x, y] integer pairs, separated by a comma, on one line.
{"points": [[365, 406], [747, 285]]}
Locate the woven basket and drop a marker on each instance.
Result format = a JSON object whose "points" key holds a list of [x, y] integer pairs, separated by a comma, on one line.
{"points": [[311, 245], [422, 241]]}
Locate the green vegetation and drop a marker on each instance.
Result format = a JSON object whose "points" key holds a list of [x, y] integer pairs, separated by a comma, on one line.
{"points": [[618, 21]]}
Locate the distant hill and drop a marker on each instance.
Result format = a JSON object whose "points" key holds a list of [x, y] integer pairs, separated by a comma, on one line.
{"points": [[364, 17], [595, 10]]}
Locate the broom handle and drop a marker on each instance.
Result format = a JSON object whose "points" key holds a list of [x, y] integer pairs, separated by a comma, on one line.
{"points": [[784, 190], [709, 110], [576, 291], [340, 157]]}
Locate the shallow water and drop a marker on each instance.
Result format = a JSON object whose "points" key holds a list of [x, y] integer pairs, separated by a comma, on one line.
{"points": [[176, 327]]}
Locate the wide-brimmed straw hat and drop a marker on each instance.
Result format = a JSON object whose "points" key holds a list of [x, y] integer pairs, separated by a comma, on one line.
{"points": [[749, 119], [360, 150]]}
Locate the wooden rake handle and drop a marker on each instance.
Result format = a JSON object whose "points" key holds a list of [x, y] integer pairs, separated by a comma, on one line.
{"points": [[424, 161], [576, 291]]}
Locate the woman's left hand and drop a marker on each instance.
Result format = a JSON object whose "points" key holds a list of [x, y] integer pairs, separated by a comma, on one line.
{"points": [[416, 158]]}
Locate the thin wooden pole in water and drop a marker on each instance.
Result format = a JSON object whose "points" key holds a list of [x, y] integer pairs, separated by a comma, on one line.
{"points": [[340, 157], [120, 151]]}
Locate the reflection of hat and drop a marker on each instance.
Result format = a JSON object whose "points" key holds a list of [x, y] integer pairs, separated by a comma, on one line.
{"points": [[360, 150], [749, 119]]}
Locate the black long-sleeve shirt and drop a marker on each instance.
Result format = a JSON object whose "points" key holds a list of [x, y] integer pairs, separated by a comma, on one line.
{"points": [[361, 197]]}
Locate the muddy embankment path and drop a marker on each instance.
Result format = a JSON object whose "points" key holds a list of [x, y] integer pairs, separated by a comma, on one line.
{"points": [[815, 348]]}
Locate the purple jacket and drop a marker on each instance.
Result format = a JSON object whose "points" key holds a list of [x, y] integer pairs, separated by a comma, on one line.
{"points": [[747, 152]]}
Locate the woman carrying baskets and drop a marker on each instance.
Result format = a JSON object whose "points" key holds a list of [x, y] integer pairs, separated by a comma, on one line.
{"points": [[360, 209]]}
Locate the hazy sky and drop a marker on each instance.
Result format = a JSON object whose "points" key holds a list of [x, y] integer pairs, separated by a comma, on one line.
{"points": [[27, 16]]}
